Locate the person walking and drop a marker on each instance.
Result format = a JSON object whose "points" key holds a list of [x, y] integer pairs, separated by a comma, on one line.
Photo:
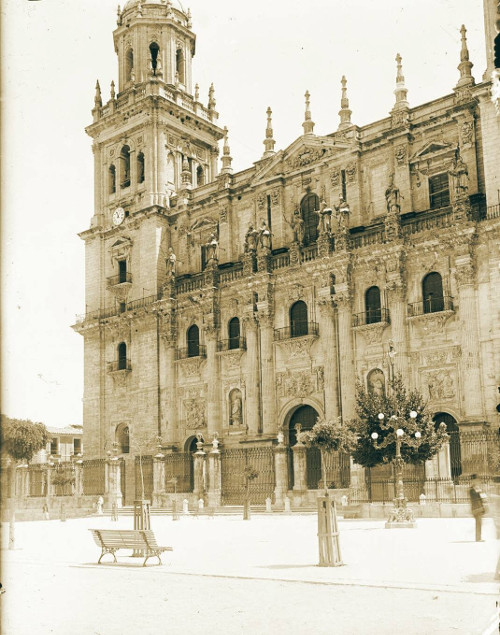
{"points": [[477, 504]]}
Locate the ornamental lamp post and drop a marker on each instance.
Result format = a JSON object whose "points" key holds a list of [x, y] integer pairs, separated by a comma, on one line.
{"points": [[401, 514]]}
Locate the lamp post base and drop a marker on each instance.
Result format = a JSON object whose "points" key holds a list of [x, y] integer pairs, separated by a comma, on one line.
{"points": [[401, 516]]}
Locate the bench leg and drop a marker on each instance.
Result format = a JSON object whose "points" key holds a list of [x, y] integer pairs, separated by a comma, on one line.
{"points": [[150, 556], [104, 552]]}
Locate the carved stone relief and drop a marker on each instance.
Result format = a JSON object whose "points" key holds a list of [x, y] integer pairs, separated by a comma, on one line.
{"points": [[275, 196], [400, 155], [351, 172], [440, 384], [296, 384], [194, 413], [297, 347], [335, 177], [190, 367]]}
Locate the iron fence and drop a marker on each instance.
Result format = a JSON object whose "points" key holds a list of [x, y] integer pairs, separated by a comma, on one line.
{"points": [[146, 462], [179, 466], [233, 464], [94, 476], [63, 479], [337, 470]]}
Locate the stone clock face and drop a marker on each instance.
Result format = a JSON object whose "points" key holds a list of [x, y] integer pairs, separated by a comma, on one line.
{"points": [[118, 215]]}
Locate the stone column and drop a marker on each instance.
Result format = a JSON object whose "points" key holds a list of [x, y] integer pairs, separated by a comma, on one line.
{"points": [[214, 476], [346, 357], [269, 423], [113, 486], [199, 471], [397, 312], [281, 474], [469, 361], [79, 478], [158, 480], [213, 406], [252, 377], [328, 335], [299, 467]]}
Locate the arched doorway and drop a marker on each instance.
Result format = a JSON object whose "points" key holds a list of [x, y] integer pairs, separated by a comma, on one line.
{"points": [[455, 450], [307, 417], [191, 448]]}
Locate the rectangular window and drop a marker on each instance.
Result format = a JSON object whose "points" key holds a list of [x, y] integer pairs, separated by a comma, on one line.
{"points": [[269, 211], [54, 446], [439, 191], [77, 446], [122, 271], [344, 187], [204, 259]]}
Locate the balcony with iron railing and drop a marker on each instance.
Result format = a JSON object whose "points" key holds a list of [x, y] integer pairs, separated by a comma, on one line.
{"points": [[372, 316], [232, 344], [119, 365], [121, 278], [297, 329], [431, 305], [191, 351]]}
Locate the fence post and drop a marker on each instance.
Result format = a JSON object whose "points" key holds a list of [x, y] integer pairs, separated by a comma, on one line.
{"points": [[357, 486], [281, 472], [79, 477], [158, 479], [214, 475]]}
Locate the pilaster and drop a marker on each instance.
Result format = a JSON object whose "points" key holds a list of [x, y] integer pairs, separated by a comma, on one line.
{"points": [[252, 375], [328, 335]]}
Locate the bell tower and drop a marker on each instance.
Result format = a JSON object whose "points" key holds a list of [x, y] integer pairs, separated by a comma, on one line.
{"points": [[153, 123]]}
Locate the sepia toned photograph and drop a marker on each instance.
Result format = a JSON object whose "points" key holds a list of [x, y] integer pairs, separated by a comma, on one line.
{"points": [[250, 369]]}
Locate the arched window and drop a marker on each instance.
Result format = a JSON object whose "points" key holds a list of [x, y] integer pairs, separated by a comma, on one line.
{"points": [[309, 207], [179, 65], [129, 65], [298, 319], [193, 341], [454, 440], [432, 292], [200, 176], [140, 167], [125, 175], [154, 50], [122, 437], [372, 305], [122, 356], [112, 179], [234, 333]]}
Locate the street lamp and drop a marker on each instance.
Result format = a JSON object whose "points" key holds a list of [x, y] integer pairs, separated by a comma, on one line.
{"points": [[401, 515]]}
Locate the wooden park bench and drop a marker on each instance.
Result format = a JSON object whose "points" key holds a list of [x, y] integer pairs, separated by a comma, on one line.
{"points": [[141, 540]]}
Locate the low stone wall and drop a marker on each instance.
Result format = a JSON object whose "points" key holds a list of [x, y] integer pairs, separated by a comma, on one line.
{"points": [[429, 510], [74, 507]]}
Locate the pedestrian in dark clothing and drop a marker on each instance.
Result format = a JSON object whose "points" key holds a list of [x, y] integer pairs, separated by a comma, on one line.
{"points": [[477, 504]]}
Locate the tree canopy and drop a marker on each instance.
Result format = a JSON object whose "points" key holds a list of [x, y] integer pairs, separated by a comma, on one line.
{"points": [[22, 439], [396, 406]]}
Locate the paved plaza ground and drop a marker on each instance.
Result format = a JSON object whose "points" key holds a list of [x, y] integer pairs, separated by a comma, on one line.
{"points": [[227, 575]]}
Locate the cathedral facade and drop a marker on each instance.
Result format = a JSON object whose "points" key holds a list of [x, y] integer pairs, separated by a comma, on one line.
{"points": [[225, 308]]}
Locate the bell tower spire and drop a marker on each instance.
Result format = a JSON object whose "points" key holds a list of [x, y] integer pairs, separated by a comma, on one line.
{"points": [[465, 65], [344, 112], [308, 124], [269, 142]]}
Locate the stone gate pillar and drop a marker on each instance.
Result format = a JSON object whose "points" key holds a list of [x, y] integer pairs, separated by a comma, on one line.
{"points": [[78, 478], [199, 470], [214, 476], [158, 480], [299, 467], [113, 495], [213, 409], [280, 472]]}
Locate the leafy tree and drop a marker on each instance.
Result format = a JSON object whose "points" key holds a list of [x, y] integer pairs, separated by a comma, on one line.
{"points": [[22, 439], [328, 437], [396, 407]]}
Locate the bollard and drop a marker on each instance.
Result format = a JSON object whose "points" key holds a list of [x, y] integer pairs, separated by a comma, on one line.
{"points": [[185, 506], [268, 505], [422, 499], [287, 504], [114, 511], [344, 501], [201, 504], [175, 515]]}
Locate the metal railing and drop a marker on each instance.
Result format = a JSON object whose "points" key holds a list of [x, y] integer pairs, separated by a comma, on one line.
{"points": [[121, 278], [116, 309], [233, 343], [299, 329], [373, 316], [191, 351], [121, 364], [431, 305]]}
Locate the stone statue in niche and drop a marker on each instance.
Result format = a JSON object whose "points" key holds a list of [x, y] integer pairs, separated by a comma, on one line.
{"points": [[251, 239], [265, 236], [392, 197], [171, 262], [211, 247], [236, 418], [324, 219], [460, 175], [376, 383], [297, 225]]}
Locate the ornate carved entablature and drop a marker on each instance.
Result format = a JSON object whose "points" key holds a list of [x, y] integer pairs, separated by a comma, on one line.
{"points": [[434, 157], [120, 249], [190, 367], [297, 348], [430, 325], [120, 378], [299, 383], [372, 333], [231, 360]]}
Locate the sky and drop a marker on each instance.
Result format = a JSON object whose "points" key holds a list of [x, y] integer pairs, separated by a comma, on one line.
{"points": [[257, 54]]}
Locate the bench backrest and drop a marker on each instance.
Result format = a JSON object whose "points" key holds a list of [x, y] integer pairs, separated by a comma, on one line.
{"points": [[126, 538]]}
